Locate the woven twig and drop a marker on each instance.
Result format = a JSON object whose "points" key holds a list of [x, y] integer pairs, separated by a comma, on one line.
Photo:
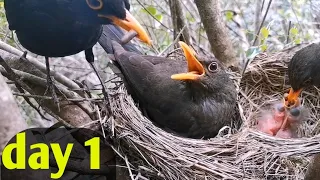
{"points": [[247, 154]]}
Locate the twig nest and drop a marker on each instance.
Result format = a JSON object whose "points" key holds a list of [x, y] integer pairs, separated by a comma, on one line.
{"points": [[247, 153]]}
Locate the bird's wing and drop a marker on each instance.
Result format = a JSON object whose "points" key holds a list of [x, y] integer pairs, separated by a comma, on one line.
{"points": [[148, 80], [145, 72], [134, 66]]}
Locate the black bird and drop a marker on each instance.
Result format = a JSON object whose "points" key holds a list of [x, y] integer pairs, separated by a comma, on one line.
{"points": [[195, 104], [303, 71], [57, 28]]}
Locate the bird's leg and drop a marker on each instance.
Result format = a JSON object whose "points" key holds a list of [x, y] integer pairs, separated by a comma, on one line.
{"points": [[90, 59], [50, 84]]}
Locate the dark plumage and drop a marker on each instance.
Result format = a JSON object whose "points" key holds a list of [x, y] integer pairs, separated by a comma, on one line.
{"points": [[304, 67], [195, 104], [304, 71], [57, 28]]}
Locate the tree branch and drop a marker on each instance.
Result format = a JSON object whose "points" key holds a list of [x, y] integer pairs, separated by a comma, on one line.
{"points": [[57, 76], [11, 121], [178, 20], [74, 114], [221, 45], [257, 19]]}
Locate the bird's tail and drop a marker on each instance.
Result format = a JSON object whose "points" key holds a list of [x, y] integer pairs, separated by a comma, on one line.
{"points": [[113, 33]]}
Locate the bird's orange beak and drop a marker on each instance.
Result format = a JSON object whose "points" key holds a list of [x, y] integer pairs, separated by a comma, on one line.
{"points": [[130, 23], [195, 68], [292, 98]]}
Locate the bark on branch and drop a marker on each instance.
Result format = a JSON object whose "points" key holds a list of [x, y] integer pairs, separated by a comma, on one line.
{"points": [[178, 21], [221, 45]]}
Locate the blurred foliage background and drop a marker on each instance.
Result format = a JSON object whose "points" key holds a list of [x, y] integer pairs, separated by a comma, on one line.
{"points": [[286, 23]]}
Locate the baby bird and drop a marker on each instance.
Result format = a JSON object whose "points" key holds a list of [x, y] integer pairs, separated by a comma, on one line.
{"points": [[281, 121]]}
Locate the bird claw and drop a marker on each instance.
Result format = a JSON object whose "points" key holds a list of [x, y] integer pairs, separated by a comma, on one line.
{"points": [[50, 84], [51, 88]]}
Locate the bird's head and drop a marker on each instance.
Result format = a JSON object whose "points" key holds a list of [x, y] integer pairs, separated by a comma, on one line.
{"points": [[302, 71], [117, 12], [208, 72]]}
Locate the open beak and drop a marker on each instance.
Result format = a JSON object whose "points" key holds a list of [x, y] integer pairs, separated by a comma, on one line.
{"points": [[292, 98], [195, 68], [130, 23]]}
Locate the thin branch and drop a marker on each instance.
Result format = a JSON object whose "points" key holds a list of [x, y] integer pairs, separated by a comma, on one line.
{"points": [[288, 33], [39, 81], [256, 37], [58, 77], [50, 98], [263, 20], [42, 82], [258, 11], [170, 29], [20, 86], [174, 42]]}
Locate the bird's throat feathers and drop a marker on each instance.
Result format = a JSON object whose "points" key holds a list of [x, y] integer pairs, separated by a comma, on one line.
{"points": [[199, 90]]}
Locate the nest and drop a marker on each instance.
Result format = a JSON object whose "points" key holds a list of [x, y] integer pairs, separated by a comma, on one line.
{"points": [[245, 154]]}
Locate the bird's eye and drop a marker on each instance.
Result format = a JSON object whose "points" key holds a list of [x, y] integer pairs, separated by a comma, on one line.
{"points": [[213, 67]]}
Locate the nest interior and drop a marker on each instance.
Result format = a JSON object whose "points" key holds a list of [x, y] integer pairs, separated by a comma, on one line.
{"points": [[233, 154]]}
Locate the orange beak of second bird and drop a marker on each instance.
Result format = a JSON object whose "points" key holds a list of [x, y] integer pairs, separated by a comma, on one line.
{"points": [[130, 23], [293, 98], [195, 68]]}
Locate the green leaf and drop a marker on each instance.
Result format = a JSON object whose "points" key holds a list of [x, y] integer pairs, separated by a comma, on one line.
{"points": [[229, 15], [308, 36], [190, 18], [152, 10], [294, 31], [159, 17], [264, 32], [263, 47], [297, 41]]}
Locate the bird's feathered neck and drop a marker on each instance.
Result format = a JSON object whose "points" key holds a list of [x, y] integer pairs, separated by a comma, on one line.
{"points": [[199, 90]]}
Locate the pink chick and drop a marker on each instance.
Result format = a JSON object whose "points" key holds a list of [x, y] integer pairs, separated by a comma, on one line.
{"points": [[271, 122], [288, 129]]}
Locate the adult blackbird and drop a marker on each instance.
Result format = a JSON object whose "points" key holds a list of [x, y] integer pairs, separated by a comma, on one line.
{"points": [[57, 28], [304, 71], [195, 104]]}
